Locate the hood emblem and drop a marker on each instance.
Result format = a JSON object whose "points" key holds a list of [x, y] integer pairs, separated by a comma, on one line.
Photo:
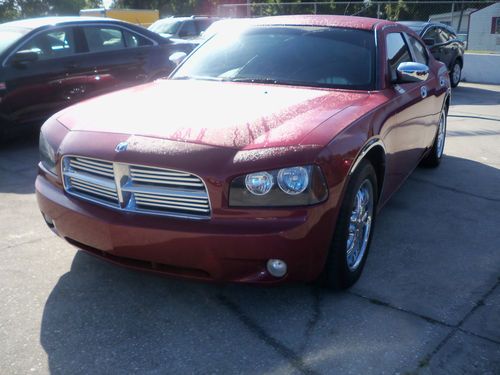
{"points": [[122, 146]]}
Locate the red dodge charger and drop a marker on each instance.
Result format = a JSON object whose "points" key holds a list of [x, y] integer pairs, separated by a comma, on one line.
{"points": [[264, 158]]}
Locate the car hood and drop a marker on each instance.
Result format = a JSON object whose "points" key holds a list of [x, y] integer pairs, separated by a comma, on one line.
{"points": [[223, 114]]}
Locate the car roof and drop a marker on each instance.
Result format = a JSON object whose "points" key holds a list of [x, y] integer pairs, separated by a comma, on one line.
{"points": [[187, 18], [33, 23], [354, 22]]}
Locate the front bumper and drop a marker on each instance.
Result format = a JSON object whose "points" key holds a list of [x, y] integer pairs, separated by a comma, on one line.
{"points": [[233, 248]]}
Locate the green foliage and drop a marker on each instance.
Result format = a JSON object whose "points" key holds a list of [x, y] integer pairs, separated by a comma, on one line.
{"points": [[16, 9]]}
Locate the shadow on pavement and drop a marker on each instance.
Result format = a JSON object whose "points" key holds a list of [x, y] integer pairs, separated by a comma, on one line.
{"points": [[466, 95], [102, 318]]}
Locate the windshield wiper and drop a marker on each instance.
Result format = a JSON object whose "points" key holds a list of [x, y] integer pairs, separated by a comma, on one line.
{"points": [[258, 80], [202, 78]]}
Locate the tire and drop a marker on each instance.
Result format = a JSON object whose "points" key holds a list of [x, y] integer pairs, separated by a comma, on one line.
{"points": [[433, 158], [343, 268], [455, 74]]}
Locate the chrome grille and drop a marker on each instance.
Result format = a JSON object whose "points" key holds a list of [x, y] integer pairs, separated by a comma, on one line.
{"points": [[101, 168], [163, 177], [136, 188]]}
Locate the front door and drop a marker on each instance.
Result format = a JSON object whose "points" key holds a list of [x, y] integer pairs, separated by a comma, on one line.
{"points": [[35, 89]]}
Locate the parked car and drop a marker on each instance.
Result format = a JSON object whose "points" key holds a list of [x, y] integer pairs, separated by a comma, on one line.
{"points": [[444, 45], [222, 25], [50, 63], [280, 145], [182, 27]]}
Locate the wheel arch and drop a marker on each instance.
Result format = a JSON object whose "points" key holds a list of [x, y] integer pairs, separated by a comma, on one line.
{"points": [[374, 152]]}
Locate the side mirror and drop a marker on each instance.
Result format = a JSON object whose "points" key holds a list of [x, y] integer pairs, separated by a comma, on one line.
{"points": [[429, 42], [24, 57], [177, 57], [408, 72]]}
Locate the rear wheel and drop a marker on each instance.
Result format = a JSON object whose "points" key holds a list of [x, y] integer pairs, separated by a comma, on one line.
{"points": [[354, 230], [455, 74], [435, 154]]}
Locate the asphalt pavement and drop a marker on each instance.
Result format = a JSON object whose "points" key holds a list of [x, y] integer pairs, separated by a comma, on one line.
{"points": [[428, 301]]}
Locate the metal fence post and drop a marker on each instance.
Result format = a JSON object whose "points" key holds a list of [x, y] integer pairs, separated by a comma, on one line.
{"points": [[452, 11], [378, 9]]}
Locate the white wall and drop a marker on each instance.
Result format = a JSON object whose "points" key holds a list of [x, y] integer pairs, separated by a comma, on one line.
{"points": [[481, 68], [480, 36], [446, 19]]}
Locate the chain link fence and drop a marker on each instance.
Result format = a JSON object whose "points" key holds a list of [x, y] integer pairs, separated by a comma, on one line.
{"points": [[477, 22]]}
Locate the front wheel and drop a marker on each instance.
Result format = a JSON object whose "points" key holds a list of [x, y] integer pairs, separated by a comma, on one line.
{"points": [[354, 229], [455, 74]]}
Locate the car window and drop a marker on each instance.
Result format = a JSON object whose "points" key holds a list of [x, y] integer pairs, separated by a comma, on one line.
{"points": [[103, 38], [397, 52], [433, 33], [419, 51], [9, 35], [133, 40], [51, 44], [203, 24], [445, 35], [166, 26], [286, 55], [188, 29]]}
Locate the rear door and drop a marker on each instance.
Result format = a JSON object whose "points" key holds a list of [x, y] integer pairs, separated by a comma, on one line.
{"points": [[115, 57]]}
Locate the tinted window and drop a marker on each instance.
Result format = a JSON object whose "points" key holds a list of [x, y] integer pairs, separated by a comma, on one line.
{"points": [[445, 35], [433, 33], [203, 24], [397, 52], [51, 44], [133, 40], [103, 38], [419, 51], [168, 26], [286, 55], [188, 29]]}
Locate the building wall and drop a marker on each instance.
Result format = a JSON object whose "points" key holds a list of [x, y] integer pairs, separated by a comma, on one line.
{"points": [[481, 68], [481, 37], [446, 19]]}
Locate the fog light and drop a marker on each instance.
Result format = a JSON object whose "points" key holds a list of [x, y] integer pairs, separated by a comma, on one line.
{"points": [[276, 267], [48, 220]]}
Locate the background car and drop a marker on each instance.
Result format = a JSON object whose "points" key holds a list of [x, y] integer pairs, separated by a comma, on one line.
{"points": [[50, 63], [444, 45], [182, 27]]}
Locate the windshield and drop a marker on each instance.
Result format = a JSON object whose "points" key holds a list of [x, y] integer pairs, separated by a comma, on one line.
{"points": [[289, 55], [165, 26], [9, 35]]}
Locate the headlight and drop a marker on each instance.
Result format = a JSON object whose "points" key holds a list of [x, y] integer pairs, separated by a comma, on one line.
{"points": [[47, 154], [294, 180], [259, 183], [295, 186]]}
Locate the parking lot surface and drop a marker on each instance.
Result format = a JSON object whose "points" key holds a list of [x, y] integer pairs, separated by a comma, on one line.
{"points": [[428, 300]]}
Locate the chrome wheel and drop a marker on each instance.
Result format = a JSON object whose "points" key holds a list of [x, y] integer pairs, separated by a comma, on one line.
{"points": [[360, 224], [456, 73], [441, 134]]}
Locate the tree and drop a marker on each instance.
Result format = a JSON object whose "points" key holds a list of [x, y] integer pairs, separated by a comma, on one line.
{"points": [[15, 9]]}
